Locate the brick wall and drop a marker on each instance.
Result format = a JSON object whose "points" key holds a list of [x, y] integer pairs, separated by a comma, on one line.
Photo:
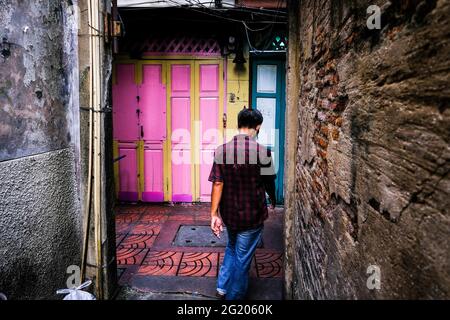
{"points": [[371, 175]]}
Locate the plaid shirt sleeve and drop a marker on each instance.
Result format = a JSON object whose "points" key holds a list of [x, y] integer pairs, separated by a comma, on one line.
{"points": [[216, 174]]}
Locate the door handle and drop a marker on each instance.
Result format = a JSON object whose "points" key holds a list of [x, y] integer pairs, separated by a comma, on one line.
{"points": [[142, 131]]}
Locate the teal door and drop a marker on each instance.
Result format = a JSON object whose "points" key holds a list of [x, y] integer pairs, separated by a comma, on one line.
{"points": [[268, 96]]}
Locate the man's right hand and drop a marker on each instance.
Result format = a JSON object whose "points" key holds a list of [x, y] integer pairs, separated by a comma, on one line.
{"points": [[216, 225]]}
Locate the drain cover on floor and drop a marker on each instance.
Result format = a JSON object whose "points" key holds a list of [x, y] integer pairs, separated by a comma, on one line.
{"points": [[199, 236]]}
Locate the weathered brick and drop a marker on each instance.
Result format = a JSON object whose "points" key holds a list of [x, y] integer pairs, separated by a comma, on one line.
{"points": [[335, 134], [321, 141], [324, 130], [374, 96], [322, 153]]}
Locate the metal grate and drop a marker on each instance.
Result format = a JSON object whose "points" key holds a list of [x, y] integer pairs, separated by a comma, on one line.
{"points": [[199, 236]]}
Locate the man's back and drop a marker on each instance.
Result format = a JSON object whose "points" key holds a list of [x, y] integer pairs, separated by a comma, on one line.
{"points": [[246, 170]]}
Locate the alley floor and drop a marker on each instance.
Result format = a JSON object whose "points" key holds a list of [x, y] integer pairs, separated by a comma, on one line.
{"points": [[168, 252]]}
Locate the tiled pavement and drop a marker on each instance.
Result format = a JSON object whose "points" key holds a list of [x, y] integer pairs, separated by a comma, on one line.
{"points": [[148, 260]]}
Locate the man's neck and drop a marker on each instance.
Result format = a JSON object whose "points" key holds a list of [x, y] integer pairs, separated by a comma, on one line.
{"points": [[247, 131]]}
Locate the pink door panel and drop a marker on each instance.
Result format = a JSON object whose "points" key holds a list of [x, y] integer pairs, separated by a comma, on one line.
{"points": [[125, 118], [152, 105], [181, 176], [128, 187], [209, 114], [206, 158], [209, 78], [153, 174], [152, 110], [180, 97]]}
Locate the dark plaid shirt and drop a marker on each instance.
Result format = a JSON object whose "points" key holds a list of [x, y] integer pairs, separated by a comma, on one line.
{"points": [[246, 170]]}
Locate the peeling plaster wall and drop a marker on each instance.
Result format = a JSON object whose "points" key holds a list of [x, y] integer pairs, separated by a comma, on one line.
{"points": [[40, 215], [38, 83], [373, 157]]}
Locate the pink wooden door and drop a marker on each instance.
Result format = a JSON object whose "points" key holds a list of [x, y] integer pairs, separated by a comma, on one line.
{"points": [[209, 115], [125, 118], [152, 127], [125, 130], [128, 177], [180, 98]]}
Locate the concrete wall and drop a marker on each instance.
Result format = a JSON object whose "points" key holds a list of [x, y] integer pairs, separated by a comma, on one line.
{"points": [[39, 147], [39, 224], [373, 156]]}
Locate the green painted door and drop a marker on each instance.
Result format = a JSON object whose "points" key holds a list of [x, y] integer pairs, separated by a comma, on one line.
{"points": [[268, 96]]}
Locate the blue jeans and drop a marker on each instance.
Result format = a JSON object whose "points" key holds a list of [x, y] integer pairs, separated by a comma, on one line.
{"points": [[233, 273]]}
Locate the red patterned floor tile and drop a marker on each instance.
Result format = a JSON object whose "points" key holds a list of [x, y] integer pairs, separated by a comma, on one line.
{"points": [[157, 210], [138, 241], [198, 270], [196, 258], [199, 264], [276, 258], [182, 217], [119, 238], [128, 217], [203, 218], [269, 264], [157, 270], [267, 270], [130, 256], [149, 218], [148, 229], [140, 227], [123, 227], [130, 209], [169, 258]]}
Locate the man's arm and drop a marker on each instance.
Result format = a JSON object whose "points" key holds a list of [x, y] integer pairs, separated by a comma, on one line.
{"points": [[268, 175], [216, 195], [216, 220], [269, 185]]}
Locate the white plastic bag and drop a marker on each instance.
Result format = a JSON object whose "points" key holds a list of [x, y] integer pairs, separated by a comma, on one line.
{"points": [[77, 293]]}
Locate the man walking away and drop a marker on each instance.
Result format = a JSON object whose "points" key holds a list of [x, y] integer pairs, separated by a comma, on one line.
{"points": [[241, 174]]}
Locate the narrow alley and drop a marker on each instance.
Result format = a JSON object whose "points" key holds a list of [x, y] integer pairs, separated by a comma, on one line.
{"points": [[225, 150], [169, 252]]}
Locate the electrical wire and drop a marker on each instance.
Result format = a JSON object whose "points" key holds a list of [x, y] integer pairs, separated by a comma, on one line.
{"points": [[270, 24], [258, 11]]}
